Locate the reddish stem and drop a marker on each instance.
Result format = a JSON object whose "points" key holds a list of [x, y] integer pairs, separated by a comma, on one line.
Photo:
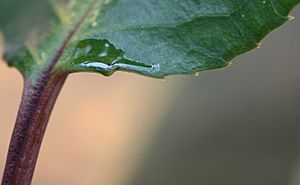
{"points": [[37, 103], [38, 99]]}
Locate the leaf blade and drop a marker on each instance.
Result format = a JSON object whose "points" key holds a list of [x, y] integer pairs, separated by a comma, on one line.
{"points": [[159, 38]]}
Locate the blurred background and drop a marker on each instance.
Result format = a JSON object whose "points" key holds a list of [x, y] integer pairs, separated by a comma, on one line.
{"points": [[235, 126]]}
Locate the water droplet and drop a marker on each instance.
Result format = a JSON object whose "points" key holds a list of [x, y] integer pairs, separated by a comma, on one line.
{"points": [[290, 17], [197, 74], [104, 53], [243, 15], [230, 64], [155, 67], [101, 56], [96, 65], [264, 2], [88, 49], [259, 45]]}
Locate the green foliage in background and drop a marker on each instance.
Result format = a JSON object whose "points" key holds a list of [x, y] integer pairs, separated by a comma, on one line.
{"points": [[149, 37]]}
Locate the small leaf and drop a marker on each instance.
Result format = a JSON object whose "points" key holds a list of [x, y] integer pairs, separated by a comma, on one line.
{"points": [[150, 37]]}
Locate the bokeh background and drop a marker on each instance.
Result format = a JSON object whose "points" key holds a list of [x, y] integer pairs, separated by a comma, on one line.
{"points": [[235, 126]]}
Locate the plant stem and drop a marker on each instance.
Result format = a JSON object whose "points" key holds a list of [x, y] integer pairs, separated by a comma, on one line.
{"points": [[36, 105]]}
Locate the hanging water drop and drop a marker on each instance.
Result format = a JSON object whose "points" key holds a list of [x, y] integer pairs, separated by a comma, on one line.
{"points": [[101, 56]]}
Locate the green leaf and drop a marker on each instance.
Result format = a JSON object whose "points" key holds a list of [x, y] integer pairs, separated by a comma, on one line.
{"points": [[149, 37]]}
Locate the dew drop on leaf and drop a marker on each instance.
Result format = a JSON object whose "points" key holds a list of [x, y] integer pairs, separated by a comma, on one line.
{"points": [[103, 57]]}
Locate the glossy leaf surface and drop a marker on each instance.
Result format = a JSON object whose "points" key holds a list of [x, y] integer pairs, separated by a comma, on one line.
{"points": [[150, 37]]}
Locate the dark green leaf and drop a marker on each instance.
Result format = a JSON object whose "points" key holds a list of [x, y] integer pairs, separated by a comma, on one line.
{"points": [[150, 37]]}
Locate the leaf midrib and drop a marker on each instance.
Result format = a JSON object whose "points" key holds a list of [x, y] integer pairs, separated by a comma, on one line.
{"points": [[59, 52]]}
